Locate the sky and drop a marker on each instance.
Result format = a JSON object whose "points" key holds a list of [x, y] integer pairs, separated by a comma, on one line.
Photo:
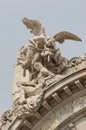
{"points": [[56, 16]]}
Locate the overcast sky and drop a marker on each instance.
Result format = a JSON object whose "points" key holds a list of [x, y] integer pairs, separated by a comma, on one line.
{"points": [[56, 15]]}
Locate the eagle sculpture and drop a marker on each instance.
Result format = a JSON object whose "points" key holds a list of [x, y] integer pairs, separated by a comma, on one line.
{"points": [[38, 29]]}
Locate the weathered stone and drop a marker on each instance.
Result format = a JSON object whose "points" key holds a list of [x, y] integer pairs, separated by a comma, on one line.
{"points": [[49, 90]]}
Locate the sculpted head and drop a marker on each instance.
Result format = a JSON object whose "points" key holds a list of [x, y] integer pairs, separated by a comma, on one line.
{"points": [[37, 66], [50, 41]]}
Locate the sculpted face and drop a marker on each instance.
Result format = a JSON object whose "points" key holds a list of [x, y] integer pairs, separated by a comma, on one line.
{"points": [[37, 66], [50, 42]]}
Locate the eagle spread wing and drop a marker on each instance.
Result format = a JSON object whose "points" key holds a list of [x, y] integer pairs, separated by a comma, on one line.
{"points": [[34, 25], [62, 36]]}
